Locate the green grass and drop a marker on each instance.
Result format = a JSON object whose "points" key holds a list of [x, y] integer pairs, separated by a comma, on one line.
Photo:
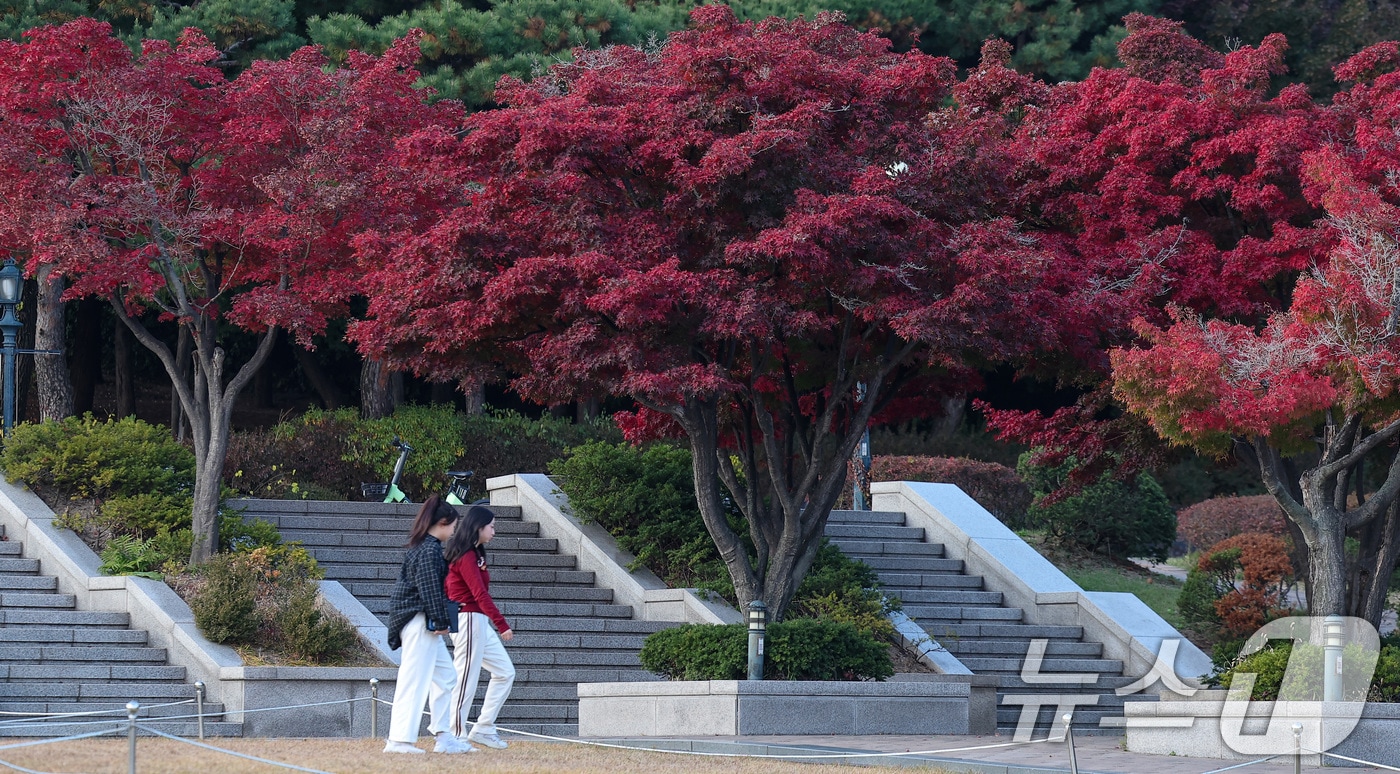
{"points": [[1159, 592]]}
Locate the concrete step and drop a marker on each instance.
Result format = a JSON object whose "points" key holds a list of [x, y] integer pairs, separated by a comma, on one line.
{"points": [[586, 625], [1008, 631], [161, 709], [509, 609], [43, 653], [874, 532], [511, 591], [585, 640], [942, 614], [181, 728], [28, 582], [539, 713], [41, 617], [989, 665], [53, 636], [51, 673], [559, 730], [377, 525], [925, 564], [20, 599], [1010, 648], [1103, 684], [944, 597], [857, 547], [146, 693], [1086, 720], [894, 518], [574, 658], [10, 548], [29, 566]]}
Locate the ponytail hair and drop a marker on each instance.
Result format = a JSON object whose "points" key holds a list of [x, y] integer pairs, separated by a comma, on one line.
{"points": [[468, 533], [433, 513]]}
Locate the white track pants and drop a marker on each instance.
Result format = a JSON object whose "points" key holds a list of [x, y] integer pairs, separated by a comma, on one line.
{"points": [[475, 645], [425, 674]]}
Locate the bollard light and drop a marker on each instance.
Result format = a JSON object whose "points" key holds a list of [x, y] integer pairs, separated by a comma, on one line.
{"points": [[133, 707], [1334, 628], [1297, 748], [199, 705], [758, 625], [11, 286], [373, 708]]}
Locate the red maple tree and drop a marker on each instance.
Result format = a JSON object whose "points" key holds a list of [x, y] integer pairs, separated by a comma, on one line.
{"points": [[741, 230], [153, 182], [1312, 389]]}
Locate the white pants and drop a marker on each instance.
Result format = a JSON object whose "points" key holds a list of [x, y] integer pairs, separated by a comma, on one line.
{"points": [[475, 645], [425, 674]]}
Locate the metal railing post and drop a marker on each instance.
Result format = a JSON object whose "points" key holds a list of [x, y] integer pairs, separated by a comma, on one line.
{"points": [[1069, 740], [199, 705], [1297, 748], [374, 708], [132, 707]]}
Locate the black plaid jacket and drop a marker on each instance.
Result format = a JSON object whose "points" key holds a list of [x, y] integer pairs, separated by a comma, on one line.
{"points": [[419, 589]]}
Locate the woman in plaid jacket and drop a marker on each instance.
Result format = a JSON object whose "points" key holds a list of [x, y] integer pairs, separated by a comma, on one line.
{"points": [[419, 618]]}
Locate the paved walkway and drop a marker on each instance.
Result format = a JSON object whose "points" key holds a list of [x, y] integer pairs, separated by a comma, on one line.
{"points": [[1096, 754]]}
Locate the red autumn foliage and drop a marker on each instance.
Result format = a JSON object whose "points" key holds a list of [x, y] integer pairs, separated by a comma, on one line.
{"points": [[1219, 518], [1261, 595]]}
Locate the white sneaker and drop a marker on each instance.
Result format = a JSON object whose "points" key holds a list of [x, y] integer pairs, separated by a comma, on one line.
{"points": [[447, 744], [402, 747], [489, 740]]}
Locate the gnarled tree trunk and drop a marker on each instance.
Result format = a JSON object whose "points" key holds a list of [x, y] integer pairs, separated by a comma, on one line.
{"points": [[51, 379]]}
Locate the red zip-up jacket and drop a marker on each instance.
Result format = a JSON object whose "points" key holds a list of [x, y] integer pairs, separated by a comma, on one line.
{"points": [[469, 585]]}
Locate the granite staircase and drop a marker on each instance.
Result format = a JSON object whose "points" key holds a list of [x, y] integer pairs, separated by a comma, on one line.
{"points": [[56, 659], [991, 638], [567, 629]]}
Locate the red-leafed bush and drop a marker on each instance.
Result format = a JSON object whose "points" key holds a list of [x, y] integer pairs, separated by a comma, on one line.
{"points": [[1262, 593], [1209, 522], [995, 487]]}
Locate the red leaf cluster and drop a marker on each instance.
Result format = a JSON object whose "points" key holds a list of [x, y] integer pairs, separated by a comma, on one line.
{"points": [[1262, 593], [1217, 519]]}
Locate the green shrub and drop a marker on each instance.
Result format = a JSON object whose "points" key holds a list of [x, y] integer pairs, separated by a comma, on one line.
{"points": [[799, 649], [1122, 519], [151, 558], [82, 457], [310, 633], [1304, 683], [838, 588], [147, 513], [1197, 601], [645, 497], [236, 534], [223, 607]]}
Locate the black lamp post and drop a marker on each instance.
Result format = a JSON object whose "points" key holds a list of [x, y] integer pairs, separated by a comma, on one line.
{"points": [[11, 285]]}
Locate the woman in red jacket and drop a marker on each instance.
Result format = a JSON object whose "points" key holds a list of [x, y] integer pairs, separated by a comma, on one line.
{"points": [[475, 643]]}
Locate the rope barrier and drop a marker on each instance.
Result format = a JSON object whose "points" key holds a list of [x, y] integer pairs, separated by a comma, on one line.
{"points": [[1353, 760], [784, 757], [24, 717], [1240, 765], [245, 756], [263, 709]]}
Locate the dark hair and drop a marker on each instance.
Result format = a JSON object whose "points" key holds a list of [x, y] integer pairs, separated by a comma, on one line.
{"points": [[433, 513], [468, 532]]}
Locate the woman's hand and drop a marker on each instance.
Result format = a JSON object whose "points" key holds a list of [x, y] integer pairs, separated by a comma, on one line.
{"points": [[507, 635]]}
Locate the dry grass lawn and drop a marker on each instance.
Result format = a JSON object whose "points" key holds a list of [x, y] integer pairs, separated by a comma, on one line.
{"points": [[364, 756]]}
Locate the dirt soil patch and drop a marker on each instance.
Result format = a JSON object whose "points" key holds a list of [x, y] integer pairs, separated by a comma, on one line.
{"points": [[364, 756]]}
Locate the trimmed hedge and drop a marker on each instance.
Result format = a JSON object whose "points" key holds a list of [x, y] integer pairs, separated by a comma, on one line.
{"points": [[994, 486], [798, 649], [1208, 522], [1121, 519]]}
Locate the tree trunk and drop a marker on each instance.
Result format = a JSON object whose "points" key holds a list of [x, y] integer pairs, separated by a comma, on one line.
{"points": [[51, 378], [184, 365], [474, 395], [954, 409], [85, 354], [316, 376], [376, 390], [125, 386], [1327, 579], [1385, 537], [25, 404], [588, 410]]}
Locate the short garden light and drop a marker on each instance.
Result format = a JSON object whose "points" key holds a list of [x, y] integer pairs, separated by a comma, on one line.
{"points": [[1333, 627], [11, 284], [758, 624]]}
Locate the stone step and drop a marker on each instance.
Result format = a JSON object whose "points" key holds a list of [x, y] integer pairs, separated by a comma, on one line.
{"points": [[942, 614], [587, 640], [1007, 631], [12, 617], [944, 597], [539, 713], [1013, 648], [146, 693], [113, 709], [990, 665], [509, 609], [28, 582], [44, 653], [49, 635], [874, 532], [557, 730], [926, 564], [373, 525], [895, 518], [1086, 720], [11, 547], [394, 558], [1104, 684], [511, 591], [51, 673], [29, 566], [576, 658], [899, 580], [576, 675], [586, 625], [19, 599], [856, 547]]}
